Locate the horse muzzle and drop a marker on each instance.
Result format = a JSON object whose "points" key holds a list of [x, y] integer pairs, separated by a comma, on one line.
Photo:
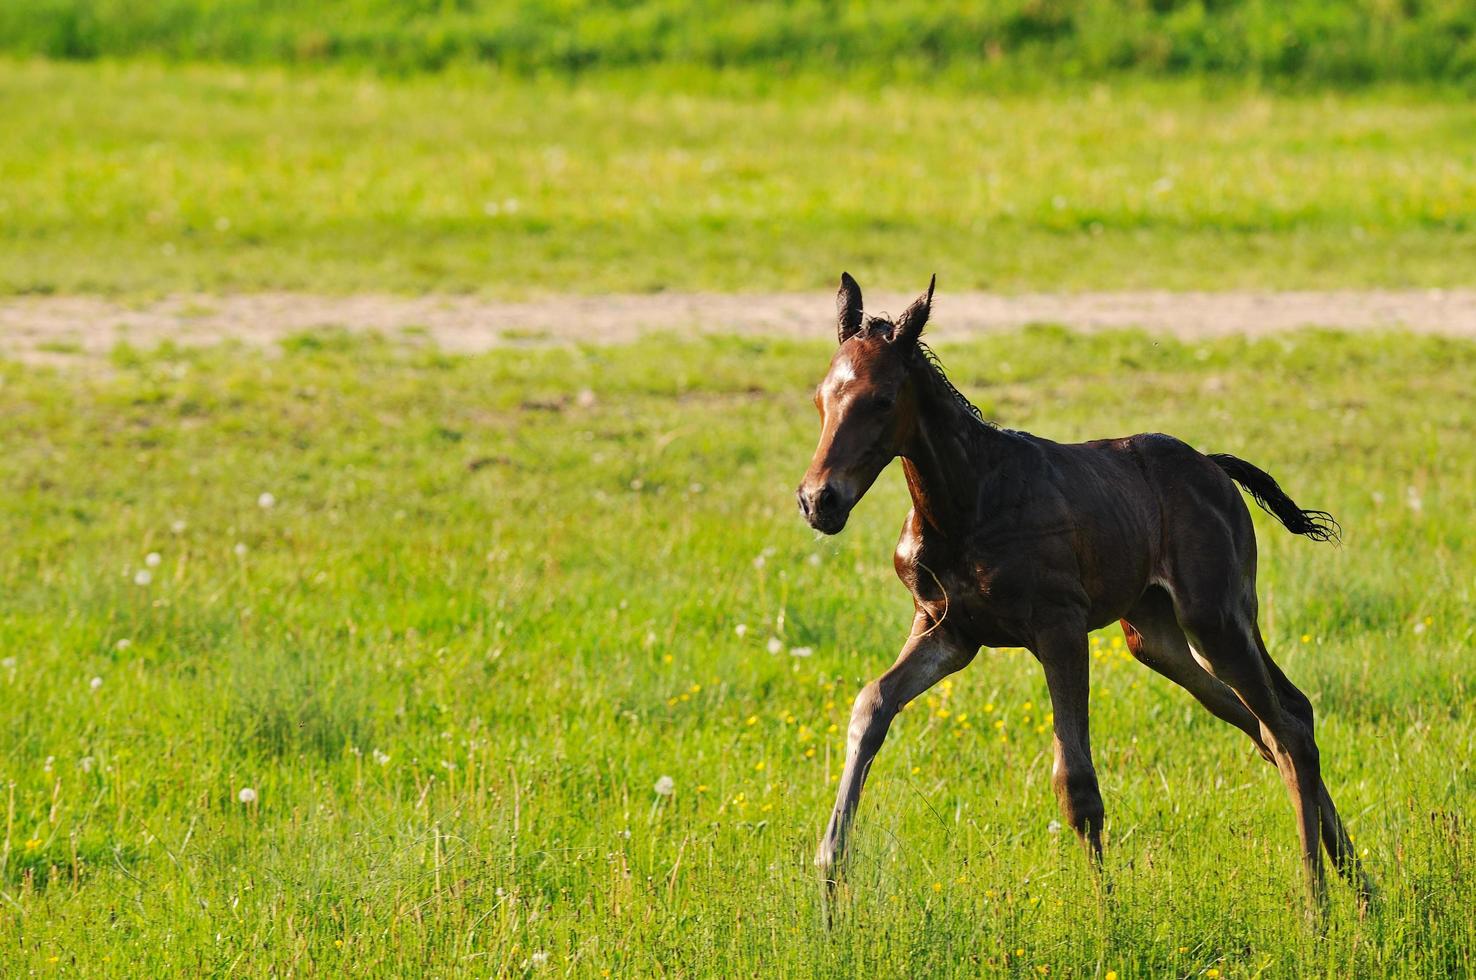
{"points": [[823, 507]]}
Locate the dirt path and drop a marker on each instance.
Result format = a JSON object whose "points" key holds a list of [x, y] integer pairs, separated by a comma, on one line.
{"points": [[61, 328]]}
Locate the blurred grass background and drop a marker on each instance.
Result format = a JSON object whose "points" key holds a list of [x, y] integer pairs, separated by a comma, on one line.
{"points": [[1355, 42], [137, 178], [651, 145]]}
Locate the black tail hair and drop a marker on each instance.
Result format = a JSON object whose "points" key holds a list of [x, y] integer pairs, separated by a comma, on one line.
{"points": [[1318, 525]]}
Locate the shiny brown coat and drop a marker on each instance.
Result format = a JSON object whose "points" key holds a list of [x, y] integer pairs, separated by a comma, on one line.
{"points": [[1015, 540]]}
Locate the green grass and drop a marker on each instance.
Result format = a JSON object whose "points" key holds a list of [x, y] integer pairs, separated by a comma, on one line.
{"points": [[1011, 41], [136, 179], [520, 576]]}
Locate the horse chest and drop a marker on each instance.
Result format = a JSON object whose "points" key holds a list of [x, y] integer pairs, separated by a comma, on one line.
{"points": [[991, 597]]}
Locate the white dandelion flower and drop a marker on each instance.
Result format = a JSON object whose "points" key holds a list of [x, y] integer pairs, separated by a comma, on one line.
{"points": [[266, 501], [776, 645], [153, 559], [240, 549], [95, 683], [741, 629], [1054, 827], [143, 577], [247, 795], [665, 786]]}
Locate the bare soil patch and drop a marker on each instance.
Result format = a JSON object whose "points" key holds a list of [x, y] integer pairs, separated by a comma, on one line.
{"points": [[63, 328]]}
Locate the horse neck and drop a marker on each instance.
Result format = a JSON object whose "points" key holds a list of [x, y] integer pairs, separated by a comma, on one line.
{"points": [[947, 452]]}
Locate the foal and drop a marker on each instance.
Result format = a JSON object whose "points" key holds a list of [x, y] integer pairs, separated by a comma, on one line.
{"points": [[1014, 540]]}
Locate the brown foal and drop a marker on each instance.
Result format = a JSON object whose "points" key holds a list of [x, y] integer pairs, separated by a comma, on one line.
{"points": [[1014, 540]]}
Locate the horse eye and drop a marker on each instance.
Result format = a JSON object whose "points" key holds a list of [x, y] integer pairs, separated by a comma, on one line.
{"points": [[885, 402]]}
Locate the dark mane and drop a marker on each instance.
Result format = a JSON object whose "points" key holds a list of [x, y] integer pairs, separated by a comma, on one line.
{"points": [[927, 358]]}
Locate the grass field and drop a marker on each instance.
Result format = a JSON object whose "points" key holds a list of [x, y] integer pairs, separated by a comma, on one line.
{"points": [[492, 600], [1011, 42], [137, 179]]}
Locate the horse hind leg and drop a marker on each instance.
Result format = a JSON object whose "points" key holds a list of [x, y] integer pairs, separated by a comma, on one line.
{"points": [[1227, 644], [1155, 638], [1334, 835]]}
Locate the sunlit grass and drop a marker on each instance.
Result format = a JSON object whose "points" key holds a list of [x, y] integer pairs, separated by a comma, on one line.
{"points": [[140, 179], [526, 664]]}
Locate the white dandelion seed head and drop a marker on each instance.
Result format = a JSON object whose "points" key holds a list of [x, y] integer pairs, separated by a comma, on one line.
{"points": [[775, 644], [240, 549], [1054, 827], [95, 683], [50, 761], [814, 559], [123, 644], [801, 651], [85, 763], [539, 958], [178, 527], [9, 663], [153, 559], [143, 577], [665, 786], [1419, 628], [760, 561], [741, 629], [381, 757], [247, 795], [266, 501]]}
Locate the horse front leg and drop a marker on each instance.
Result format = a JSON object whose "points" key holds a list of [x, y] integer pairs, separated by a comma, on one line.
{"points": [[926, 658], [1063, 654]]}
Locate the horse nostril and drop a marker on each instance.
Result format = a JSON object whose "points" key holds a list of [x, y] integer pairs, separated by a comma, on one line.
{"points": [[804, 502], [825, 498]]}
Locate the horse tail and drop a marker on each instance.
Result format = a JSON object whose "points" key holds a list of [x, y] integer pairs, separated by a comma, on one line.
{"points": [[1318, 525]]}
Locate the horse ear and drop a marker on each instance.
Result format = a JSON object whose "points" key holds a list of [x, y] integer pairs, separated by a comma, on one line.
{"points": [[847, 308], [910, 324]]}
